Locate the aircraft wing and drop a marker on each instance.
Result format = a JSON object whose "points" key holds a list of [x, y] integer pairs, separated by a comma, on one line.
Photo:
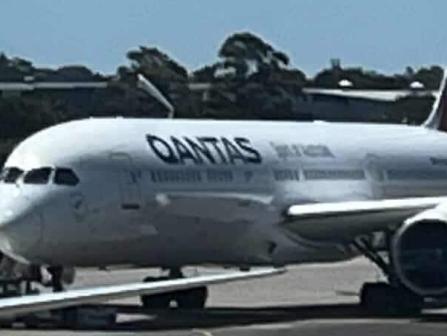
{"points": [[375, 95], [343, 221], [42, 302]]}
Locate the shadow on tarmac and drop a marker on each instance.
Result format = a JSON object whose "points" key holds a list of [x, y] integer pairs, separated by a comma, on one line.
{"points": [[138, 319]]}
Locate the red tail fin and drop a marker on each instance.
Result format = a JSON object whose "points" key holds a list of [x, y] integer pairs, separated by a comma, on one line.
{"points": [[438, 116]]}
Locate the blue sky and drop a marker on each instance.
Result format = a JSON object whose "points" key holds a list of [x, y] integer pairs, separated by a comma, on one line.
{"points": [[383, 35]]}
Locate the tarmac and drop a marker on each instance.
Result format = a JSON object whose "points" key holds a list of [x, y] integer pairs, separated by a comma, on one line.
{"points": [[307, 300]]}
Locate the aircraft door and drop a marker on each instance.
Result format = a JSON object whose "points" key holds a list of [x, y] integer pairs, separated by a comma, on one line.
{"points": [[375, 174], [128, 179]]}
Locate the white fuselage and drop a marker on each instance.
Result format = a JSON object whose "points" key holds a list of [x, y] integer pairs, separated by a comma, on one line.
{"points": [[180, 192]]}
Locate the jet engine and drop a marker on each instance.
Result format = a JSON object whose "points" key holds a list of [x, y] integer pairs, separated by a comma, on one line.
{"points": [[419, 253]]}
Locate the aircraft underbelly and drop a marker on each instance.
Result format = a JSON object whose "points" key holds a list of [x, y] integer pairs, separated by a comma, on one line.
{"points": [[176, 241]]}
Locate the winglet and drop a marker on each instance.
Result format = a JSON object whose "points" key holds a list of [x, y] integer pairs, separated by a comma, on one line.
{"points": [[145, 85], [438, 117]]}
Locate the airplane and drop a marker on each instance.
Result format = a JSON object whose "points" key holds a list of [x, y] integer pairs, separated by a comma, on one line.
{"points": [[170, 193]]}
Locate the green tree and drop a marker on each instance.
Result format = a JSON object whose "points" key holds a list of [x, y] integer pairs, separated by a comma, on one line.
{"points": [[155, 64], [249, 54], [430, 77], [252, 80]]}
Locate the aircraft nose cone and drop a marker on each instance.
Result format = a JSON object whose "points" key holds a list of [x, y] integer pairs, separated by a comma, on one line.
{"points": [[20, 230], [11, 204], [6, 218]]}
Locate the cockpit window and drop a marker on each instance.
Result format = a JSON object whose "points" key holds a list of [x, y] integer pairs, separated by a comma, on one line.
{"points": [[65, 176], [37, 176], [10, 174]]}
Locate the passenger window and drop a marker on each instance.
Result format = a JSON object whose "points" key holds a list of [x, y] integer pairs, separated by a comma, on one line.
{"points": [[65, 176], [37, 176], [10, 174]]}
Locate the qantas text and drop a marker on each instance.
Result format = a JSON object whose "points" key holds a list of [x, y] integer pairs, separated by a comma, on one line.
{"points": [[204, 150]]}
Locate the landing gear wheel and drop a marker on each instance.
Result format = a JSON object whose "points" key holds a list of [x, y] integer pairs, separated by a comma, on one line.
{"points": [[158, 301], [69, 318], [377, 298], [194, 298], [31, 322], [5, 324], [408, 303], [383, 299]]}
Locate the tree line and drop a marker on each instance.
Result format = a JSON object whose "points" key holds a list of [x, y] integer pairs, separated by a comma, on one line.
{"points": [[251, 79]]}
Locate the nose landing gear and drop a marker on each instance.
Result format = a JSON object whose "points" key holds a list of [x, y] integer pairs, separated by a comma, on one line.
{"points": [[194, 298]]}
